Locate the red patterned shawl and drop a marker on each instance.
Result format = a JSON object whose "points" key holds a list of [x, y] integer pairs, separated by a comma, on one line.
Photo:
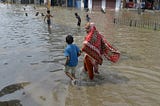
{"points": [[95, 45]]}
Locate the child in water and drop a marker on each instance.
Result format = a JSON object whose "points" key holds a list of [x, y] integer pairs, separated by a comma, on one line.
{"points": [[48, 16], [88, 18], [71, 52], [79, 19]]}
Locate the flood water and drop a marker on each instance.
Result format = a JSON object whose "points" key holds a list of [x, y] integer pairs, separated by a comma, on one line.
{"points": [[31, 61]]}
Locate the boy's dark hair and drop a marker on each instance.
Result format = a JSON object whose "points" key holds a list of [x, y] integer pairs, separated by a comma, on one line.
{"points": [[48, 11], [76, 14], [87, 15], [69, 39]]}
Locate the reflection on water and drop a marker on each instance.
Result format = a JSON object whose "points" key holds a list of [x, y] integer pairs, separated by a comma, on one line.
{"points": [[11, 103], [12, 88], [29, 53]]}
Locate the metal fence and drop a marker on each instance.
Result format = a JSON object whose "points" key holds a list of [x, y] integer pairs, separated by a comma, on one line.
{"points": [[147, 24], [147, 20]]}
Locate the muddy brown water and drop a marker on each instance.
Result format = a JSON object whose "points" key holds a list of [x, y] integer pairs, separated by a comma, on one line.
{"points": [[31, 61]]}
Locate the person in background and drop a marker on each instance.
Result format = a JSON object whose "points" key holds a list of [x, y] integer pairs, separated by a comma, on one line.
{"points": [[48, 16], [88, 18], [79, 19], [71, 52]]}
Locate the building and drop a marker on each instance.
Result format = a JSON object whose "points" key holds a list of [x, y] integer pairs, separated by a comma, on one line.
{"points": [[146, 4], [94, 4], [102, 4]]}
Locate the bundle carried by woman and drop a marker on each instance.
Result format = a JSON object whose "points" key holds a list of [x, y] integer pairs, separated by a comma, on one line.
{"points": [[96, 46]]}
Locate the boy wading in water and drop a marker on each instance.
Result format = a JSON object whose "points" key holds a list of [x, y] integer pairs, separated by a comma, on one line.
{"points": [[71, 52], [48, 16], [79, 19], [88, 18]]}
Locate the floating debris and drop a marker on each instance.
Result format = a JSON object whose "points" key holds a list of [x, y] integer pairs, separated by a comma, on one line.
{"points": [[42, 14], [56, 70], [34, 63], [48, 61], [43, 98], [37, 13], [26, 14]]}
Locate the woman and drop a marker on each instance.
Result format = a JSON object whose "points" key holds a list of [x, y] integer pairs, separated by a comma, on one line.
{"points": [[96, 46]]}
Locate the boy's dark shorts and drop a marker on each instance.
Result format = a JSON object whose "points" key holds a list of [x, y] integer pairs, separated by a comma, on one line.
{"points": [[79, 24], [49, 22]]}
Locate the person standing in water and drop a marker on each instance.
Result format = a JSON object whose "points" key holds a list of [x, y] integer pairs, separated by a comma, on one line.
{"points": [[88, 18], [96, 47], [71, 52], [79, 19], [48, 16]]}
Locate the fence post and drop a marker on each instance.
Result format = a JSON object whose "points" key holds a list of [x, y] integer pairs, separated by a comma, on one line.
{"points": [[130, 23], [155, 26], [114, 20], [135, 24]]}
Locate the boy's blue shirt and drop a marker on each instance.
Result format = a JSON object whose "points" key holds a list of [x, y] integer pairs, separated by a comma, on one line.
{"points": [[72, 51]]}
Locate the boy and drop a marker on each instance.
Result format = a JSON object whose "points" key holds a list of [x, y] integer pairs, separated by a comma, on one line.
{"points": [[88, 18], [71, 52], [48, 16], [79, 19]]}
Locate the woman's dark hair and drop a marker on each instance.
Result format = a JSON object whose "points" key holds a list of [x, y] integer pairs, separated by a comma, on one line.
{"points": [[69, 39]]}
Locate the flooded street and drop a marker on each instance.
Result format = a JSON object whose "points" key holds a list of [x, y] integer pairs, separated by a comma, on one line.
{"points": [[31, 61]]}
